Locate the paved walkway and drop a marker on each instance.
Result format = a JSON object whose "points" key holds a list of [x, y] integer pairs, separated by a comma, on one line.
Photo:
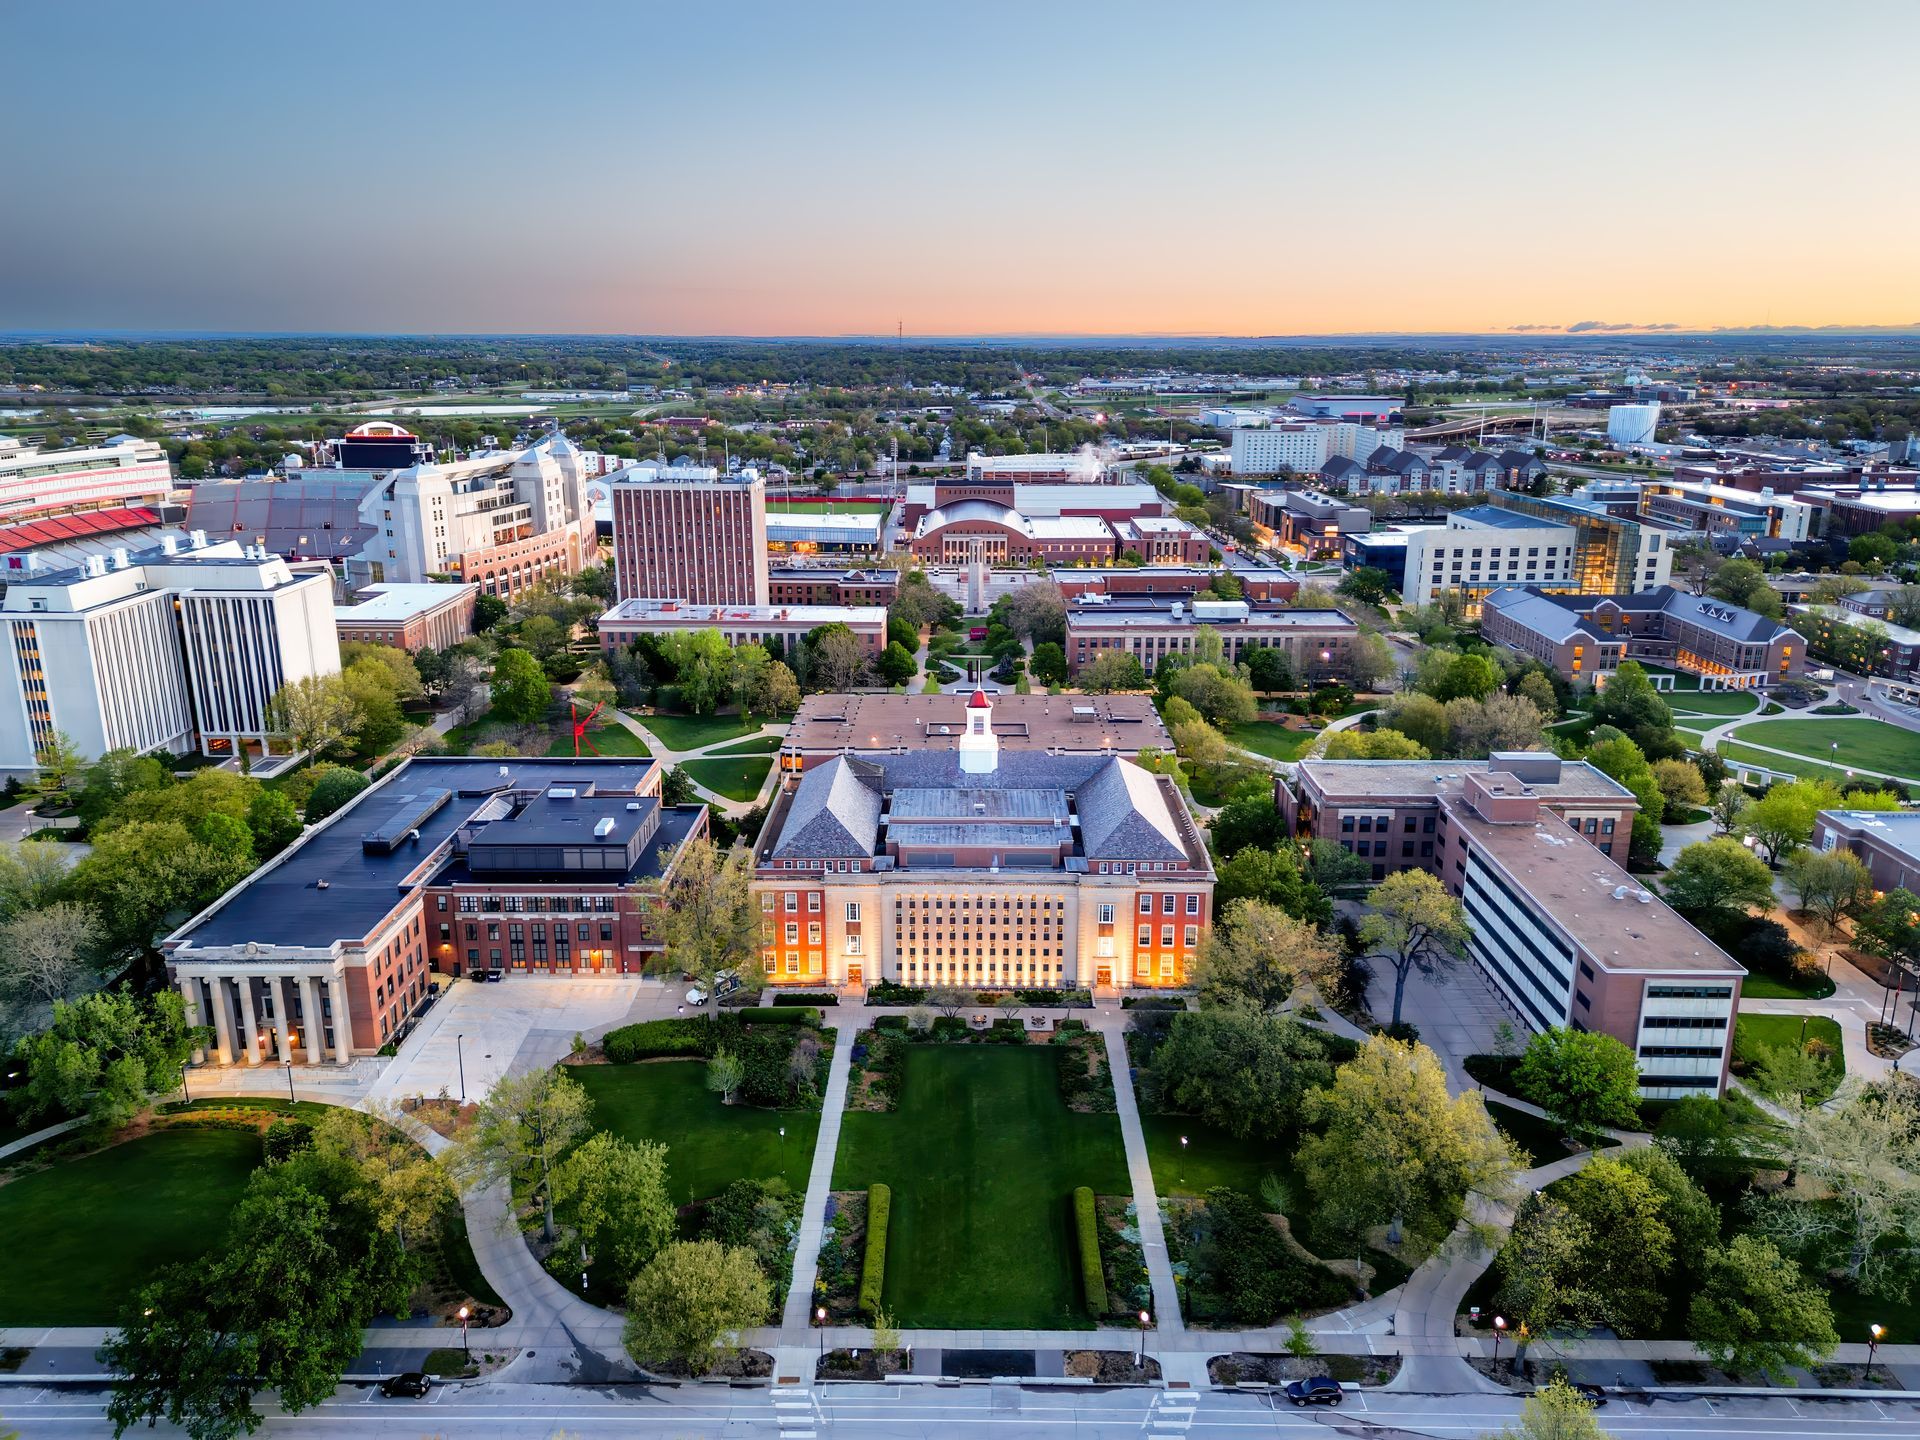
{"points": [[797, 1316], [1146, 1200], [27, 1142], [669, 757]]}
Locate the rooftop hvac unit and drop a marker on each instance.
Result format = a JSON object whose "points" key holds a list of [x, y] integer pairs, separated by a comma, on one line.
{"points": [[603, 828]]}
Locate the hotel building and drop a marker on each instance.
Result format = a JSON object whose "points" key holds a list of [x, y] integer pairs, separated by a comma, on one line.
{"points": [[687, 532], [974, 866], [174, 648], [528, 867]]}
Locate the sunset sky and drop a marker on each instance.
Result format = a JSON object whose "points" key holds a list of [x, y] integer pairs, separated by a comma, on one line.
{"points": [[1036, 167]]}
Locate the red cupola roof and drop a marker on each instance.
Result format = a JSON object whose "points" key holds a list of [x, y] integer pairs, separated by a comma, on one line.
{"points": [[979, 701]]}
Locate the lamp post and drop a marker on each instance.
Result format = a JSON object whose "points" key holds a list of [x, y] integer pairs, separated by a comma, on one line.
{"points": [[820, 1319], [460, 1058], [1183, 1160], [288, 1067], [1874, 1332], [187, 1096], [783, 1150], [1499, 1328], [465, 1344], [1145, 1320]]}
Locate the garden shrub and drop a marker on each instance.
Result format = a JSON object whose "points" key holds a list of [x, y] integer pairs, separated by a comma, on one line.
{"points": [[1086, 1225], [1153, 1002], [808, 997], [781, 1015], [1240, 1270], [873, 1269], [886, 992], [1067, 1027], [948, 1027], [891, 1022], [654, 1040]]}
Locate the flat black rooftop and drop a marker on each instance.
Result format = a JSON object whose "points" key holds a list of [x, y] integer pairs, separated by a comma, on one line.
{"points": [[285, 904]]}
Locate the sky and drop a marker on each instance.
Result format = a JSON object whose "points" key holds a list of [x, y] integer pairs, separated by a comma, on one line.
{"points": [[1043, 167]]}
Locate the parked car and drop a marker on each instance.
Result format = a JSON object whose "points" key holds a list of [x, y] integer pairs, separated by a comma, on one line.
{"points": [[1589, 1392], [413, 1385], [493, 977], [726, 982], [1320, 1390]]}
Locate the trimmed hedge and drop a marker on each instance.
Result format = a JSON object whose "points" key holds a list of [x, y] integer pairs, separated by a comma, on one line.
{"points": [[1086, 1225], [886, 992], [654, 1040], [807, 997], [781, 1015], [873, 1268]]}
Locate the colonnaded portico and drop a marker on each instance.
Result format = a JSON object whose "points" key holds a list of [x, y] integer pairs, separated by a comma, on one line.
{"points": [[290, 1009]]}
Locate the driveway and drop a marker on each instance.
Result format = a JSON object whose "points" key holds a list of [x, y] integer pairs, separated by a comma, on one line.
{"points": [[516, 1024]]}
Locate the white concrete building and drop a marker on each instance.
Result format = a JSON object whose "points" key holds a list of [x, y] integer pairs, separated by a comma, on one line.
{"points": [[125, 471], [504, 520], [1303, 446], [180, 645]]}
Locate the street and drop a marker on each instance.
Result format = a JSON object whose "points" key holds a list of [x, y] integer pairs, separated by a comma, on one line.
{"points": [[1004, 1410]]}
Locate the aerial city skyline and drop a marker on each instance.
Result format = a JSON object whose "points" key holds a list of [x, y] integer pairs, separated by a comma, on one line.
{"points": [[766, 170]]}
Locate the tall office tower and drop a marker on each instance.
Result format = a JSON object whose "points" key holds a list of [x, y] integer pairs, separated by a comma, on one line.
{"points": [[687, 532]]}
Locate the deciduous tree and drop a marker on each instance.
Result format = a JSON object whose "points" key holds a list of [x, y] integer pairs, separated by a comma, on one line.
{"points": [[523, 1127], [706, 915], [1239, 1069], [1712, 880], [1258, 954], [1390, 1144], [1584, 1079], [615, 1192], [1781, 820], [521, 694], [1831, 884], [1413, 924], [1754, 1310], [688, 1302], [1556, 1411]]}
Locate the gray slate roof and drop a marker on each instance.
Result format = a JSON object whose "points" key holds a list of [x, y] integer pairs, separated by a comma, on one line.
{"points": [[835, 812]]}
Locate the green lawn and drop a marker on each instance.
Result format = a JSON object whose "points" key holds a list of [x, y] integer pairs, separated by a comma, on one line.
{"points": [[1213, 1157], [1754, 1033], [1541, 1139], [85, 1235], [737, 779], [756, 745], [837, 507], [1731, 751], [1263, 737], [1722, 703], [690, 732], [1863, 744], [1765, 987], [709, 1145], [610, 739], [982, 1157]]}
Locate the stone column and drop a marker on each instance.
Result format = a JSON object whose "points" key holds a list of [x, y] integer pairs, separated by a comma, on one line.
{"points": [[222, 1017], [342, 1020], [190, 992], [282, 1016], [250, 1025], [311, 1017]]}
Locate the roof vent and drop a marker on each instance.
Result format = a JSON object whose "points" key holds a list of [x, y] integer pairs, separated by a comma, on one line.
{"points": [[1619, 892], [633, 804], [563, 792], [321, 884], [603, 827]]}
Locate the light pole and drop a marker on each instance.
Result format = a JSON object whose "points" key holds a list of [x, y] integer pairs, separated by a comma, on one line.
{"points": [[1145, 1320], [288, 1067], [820, 1319], [465, 1344], [460, 1058], [1499, 1328], [783, 1150], [187, 1097], [1183, 1160], [1874, 1332]]}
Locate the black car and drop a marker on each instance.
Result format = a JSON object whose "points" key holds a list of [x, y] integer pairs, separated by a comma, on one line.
{"points": [[494, 977], [1320, 1390], [1590, 1393], [413, 1385]]}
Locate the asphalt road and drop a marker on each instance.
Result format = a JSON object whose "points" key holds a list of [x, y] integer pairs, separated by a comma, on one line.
{"points": [[1005, 1412]]}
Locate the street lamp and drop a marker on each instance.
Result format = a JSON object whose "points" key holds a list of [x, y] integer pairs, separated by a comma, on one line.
{"points": [[783, 1150], [1145, 1320], [1183, 1160], [288, 1067], [465, 1315], [1499, 1328], [1874, 1332], [820, 1319], [460, 1057]]}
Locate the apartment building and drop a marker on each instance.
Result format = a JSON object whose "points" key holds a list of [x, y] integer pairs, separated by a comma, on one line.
{"points": [[1303, 446], [741, 624], [176, 648], [982, 867], [689, 533], [1388, 811], [1585, 637], [124, 472], [450, 865], [1318, 643], [409, 617]]}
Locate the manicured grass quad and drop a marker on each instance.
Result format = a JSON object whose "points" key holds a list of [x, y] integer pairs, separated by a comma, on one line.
{"points": [[755, 745], [982, 1157], [1276, 742], [1722, 703], [837, 507], [709, 1145], [1754, 1033], [1864, 744], [613, 738], [738, 778], [85, 1235], [690, 732]]}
